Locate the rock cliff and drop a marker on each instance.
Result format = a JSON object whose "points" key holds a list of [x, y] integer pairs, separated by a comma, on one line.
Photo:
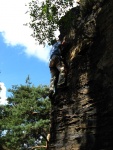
{"points": [[82, 113]]}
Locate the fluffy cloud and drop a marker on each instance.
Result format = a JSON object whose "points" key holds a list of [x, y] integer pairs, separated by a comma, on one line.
{"points": [[3, 94], [12, 17]]}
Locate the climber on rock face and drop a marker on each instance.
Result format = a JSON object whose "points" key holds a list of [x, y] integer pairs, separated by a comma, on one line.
{"points": [[57, 67]]}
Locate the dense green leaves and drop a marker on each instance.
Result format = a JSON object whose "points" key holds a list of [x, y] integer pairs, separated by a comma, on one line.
{"points": [[25, 120], [45, 17]]}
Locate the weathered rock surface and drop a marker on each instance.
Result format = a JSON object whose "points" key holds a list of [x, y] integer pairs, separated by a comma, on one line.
{"points": [[82, 113]]}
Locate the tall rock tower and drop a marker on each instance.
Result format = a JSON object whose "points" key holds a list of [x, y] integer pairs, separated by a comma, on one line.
{"points": [[82, 113]]}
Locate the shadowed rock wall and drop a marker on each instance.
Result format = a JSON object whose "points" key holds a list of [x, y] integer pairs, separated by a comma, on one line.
{"points": [[82, 113]]}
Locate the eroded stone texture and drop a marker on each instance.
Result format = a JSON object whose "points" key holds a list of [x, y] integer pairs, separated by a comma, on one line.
{"points": [[82, 113]]}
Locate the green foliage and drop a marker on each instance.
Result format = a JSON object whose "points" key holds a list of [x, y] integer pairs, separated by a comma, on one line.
{"points": [[26, 118], [45, 18]]}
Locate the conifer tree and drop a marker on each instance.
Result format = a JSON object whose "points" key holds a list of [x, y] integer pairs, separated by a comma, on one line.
{"points": [[25, 119]]}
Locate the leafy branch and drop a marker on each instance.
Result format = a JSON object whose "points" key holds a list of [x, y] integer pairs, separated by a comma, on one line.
{"points": [[45, 18]]}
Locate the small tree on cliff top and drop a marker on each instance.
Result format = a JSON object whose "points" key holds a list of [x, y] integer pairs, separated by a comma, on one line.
{"points": [[45, 16], [25, 120]]}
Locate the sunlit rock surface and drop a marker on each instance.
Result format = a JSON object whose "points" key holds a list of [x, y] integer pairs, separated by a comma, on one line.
{"points": [[82, 113]]}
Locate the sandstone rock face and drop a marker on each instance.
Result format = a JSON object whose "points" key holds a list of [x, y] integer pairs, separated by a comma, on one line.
{"points": [[82, 113]]}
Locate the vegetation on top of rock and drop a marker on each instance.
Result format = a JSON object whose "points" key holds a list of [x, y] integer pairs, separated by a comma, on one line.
{"points": [[45, 18]]}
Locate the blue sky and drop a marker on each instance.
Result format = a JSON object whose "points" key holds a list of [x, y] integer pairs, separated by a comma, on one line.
{"points": [[20, 54], [16, 65]]}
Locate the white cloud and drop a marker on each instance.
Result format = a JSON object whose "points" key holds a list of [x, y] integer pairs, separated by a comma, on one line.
{"points": [[12, 18], [3, 94]]}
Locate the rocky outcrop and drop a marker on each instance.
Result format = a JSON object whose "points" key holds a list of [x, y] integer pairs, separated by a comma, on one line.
{"points": [[82, 113]]}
